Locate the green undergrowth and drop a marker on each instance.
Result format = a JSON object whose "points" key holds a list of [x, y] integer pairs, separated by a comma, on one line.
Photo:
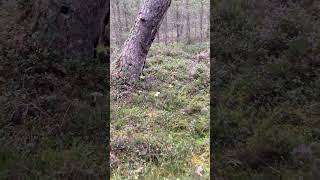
{"points": [[162, 130], [266, 114], [51, 128]]}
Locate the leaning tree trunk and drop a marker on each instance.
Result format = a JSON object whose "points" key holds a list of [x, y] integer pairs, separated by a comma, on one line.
{"points": [[131, 61]]}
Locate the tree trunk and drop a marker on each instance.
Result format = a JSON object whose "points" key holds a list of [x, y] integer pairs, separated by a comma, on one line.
{"points": [[125, 10], [188, 33], [158, 36], [177, 22], [115, 30], [138, 4], [195, 28], [119, 20], [131, 61], [166, 29], [201, 20], [73, 29], [181, 28]]}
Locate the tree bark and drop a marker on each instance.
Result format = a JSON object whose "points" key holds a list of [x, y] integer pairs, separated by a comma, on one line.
{"points": [[73, 29], [130, 63]]}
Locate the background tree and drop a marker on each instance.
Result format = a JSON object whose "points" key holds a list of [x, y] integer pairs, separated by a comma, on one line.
{"points": [[174, 27], [201, 20], [188, 32], [166, 28], [177, 22], [118, 16], [125, 13]]}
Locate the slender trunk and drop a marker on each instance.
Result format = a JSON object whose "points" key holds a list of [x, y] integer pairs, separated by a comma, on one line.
{"points": [[208, 26], [125, 10], [119, 20], [181, 28], [195, 24], [201, 20], [139, 4], [177, 22], [116, 25], [166, 29], [188, 23], [158, 36], [130, 63]]}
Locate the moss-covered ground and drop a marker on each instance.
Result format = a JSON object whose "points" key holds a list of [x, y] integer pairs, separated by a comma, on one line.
{"points": [[161, 130]]}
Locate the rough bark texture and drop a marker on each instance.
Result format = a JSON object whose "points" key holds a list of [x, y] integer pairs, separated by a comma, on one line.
{"points": [[72, 27], [129, 66]]}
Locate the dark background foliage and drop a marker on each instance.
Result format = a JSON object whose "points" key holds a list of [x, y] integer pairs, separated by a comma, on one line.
{"points": [[53, 92], [266, 84], [53, 116]]}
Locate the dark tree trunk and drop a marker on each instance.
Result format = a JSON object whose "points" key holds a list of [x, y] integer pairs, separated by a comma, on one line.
{"points": [[73, 29], [130, 63]]}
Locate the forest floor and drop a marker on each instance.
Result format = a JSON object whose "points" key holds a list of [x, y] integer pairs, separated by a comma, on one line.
{"points": [[49, 128], [162, 129]]}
